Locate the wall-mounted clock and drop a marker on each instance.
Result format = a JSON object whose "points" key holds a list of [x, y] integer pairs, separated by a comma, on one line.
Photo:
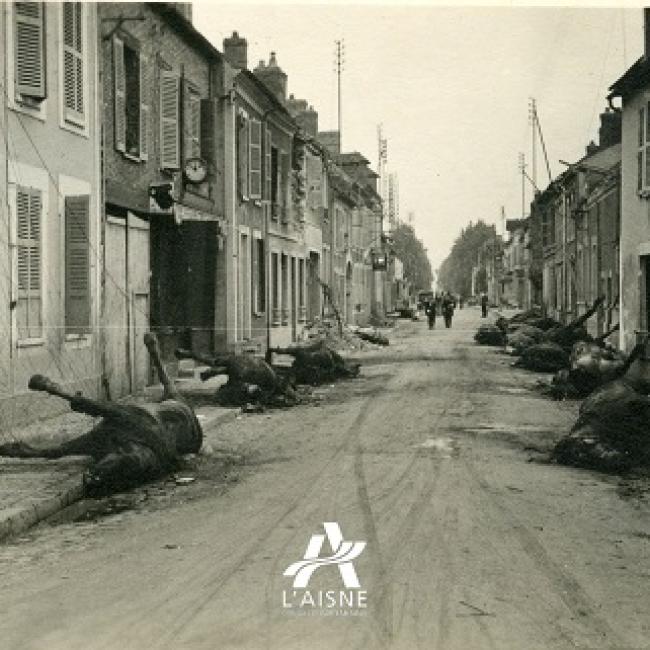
{"points": [[195, 170]]}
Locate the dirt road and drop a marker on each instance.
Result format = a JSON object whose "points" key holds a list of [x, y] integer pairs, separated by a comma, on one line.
{"points": [[431, 458]]}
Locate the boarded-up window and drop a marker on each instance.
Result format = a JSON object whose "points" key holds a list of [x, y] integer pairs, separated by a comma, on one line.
{"points": [[77, 266], [267, 164], [29, 306], [255, 159], [169, 123], [242, 156], [73, 68], [29, 43]]}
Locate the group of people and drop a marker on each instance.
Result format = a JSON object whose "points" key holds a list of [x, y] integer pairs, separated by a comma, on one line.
{"points": [[443, 303]]}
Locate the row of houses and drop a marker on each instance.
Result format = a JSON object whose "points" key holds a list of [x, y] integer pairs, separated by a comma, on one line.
{"points": [[566, 253], [155, 182], [588, 233]]}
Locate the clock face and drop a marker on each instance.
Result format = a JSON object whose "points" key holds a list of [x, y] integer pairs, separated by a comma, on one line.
{"points": [[195, 170]]}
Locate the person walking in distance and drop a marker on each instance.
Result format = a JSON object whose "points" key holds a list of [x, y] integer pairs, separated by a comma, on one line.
{"points": [[484, 305], [431, 313], [448, 305]]}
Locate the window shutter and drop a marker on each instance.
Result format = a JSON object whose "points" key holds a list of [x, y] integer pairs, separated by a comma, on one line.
{"points": [[29, 49], [145, 94], [77, 267], [169, 109], [193, 129], [73, 71], [255, 159], [283, 179], [119, 78], [28, 249], [208, 136], [242, 156], [267, 163]]}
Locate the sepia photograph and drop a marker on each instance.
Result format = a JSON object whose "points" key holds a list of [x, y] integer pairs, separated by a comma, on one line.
{"points": [[325, 325]]}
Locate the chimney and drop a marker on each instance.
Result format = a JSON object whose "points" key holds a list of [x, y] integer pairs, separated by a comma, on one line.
{"points": [[273, 77], [235, 49], [609, 133], [591, 149], [330, 140], [184, 9], [305, 116], [646, 32]]}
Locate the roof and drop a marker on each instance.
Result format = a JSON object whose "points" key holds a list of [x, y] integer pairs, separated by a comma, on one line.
{"points": [[184, 27], [263, 88], [354, 157], [635, 78]]}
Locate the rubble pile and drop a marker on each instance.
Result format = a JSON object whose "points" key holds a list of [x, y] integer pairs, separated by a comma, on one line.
{"points": [[339, 336]]}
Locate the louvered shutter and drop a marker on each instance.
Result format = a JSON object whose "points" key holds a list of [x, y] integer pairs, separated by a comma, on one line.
{"points": [[255, 159], [169, 109], [208, 136], [242, 156], [29, 49], [77, 266], [283, 191], [28, 253], [145, 94], [119, 91], [267, 163], [73, 71], [193, 125]]}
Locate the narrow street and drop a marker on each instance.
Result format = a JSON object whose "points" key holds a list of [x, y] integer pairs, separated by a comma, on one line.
{"points": [[433, 457]]}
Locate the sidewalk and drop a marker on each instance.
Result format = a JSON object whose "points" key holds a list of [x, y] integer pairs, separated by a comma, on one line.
{"points": [[34, 489]]}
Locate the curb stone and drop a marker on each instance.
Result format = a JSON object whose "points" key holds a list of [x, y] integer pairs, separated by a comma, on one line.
{"points": [[16, 520]]}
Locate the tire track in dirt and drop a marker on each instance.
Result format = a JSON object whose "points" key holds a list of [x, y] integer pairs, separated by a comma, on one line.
{"points": [[569, 590], [383, 610], [194, 608]]}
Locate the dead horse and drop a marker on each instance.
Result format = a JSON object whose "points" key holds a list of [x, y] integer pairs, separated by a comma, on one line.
{"points": [[131, 444]]}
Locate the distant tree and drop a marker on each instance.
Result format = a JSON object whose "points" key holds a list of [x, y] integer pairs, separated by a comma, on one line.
{"points": [[410, 250], [455, 273]]}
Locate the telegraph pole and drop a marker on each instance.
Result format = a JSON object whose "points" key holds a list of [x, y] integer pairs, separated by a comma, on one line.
{"points": [[532, 116], [522, 169], [339, 67]]}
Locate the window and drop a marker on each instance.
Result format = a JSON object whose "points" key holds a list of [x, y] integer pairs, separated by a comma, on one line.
{"points": [[29, 305], [242, 155], [73, 63], [255, 159], [77, 265], [132, 91], [29, 51]]}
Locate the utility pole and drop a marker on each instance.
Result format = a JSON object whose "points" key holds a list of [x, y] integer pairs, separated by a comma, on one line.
{"points": [[532, 118], [339, 63], [522, 169]]}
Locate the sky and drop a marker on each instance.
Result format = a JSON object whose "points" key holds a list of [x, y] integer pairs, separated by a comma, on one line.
{"points": [[451, 88]]}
